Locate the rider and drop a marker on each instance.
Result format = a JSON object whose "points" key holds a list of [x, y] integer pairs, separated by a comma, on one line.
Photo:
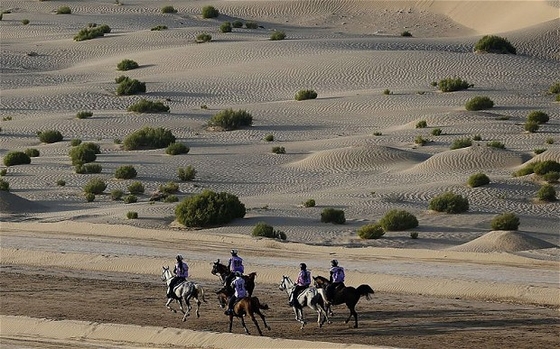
{"points": [[336, 279], [303, 281], [181, 272], [239, 291], [235, 264]]}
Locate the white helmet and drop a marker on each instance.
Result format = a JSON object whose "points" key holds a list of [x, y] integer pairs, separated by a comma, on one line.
{"points": [[179, 257], [234, 252]]}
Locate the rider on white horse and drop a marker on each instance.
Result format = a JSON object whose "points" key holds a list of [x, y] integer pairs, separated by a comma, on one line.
{"points": [[303, 281], [181, 272]]}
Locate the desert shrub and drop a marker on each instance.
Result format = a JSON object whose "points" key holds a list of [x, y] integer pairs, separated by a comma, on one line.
{"points": [[130, 87], [204, 37], [269, 137], [116, 194], [526, 170], [453, 84], [168, 9], [554, 88], [479, 103], [171, 198], [237, 24], [95, 186], [177, 148], [265, 230], [32, 152], [117, 141], [84, 153], [496, 144], [61, 182], [378, 134], [558, 97], [371, 231], [251, 25], [230, 120], [25, 21], [277, 35], [159, 28], [309, 203], [387, 92], [450, 203], [63, 10], [136, 188], [461, 143], [50, 136], [90, 197], [4, 185], [477, 180], [16, 158], [121, 78], [145, 106], [414, 235], [208, 209], [421, 124], [420, 140], [278, 150], [226, 27], [503, 117], [546, 193], [88, 168], [406, 33], [305, 94], [398, 220], [75, 142], [186, 173], [477, 138], [210, 12], [169, 188], [130, 199], [148, 138], [531, 126], [3, 172], [92, 32], [132, 215], [538, 151], [436, 132], [549, 140], [505, 221], [551, 177], [332, 215], [494, 44], [538, 116], [126, 172], [84, 114], [127, 64], [543, 167]]}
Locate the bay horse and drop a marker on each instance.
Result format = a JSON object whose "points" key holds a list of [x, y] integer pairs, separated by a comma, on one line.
{"points": [[310, 297], [246, 306], [347, 294], [223, 272], [185, 291]]}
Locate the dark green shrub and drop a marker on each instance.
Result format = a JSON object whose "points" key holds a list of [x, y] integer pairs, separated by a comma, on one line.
{"points": [[461, 143], [237, 24], [547, 193], [4, 185], [305, 94], [378, 134], [477, 138], [84, 153], [450, 203], [371, 231], [332, 215], [25, 21], [414, 235], [278, 150], [558, 97], [277, 35], [148, 138], [538, 116], [269, 137], [453, 84], [496, 144], [84, 114], [204, 37], [398, 220], [503, 117], [387, 92], [505, 221], [127, 64], [251, 25], [531, 126], [130, 199], [526, 170], [436, 132], [543, 167], [265, 230], [130, 87], [168, 9], [421, 124], [551, 177], [61, 182], [75, 142], [92, 32], [16, 158], [132, 215], [549, 140], [494, 44], [230, 120], [159, 27], [226, 27], [477, 180], [3, 172], [145, 106], [121, 78], [479, 103], [554, 88], [420, 140], [32, 152], [95, 186], [209, 209], [126, 172], [186, 174], [63, 10], [169, 188], [176, 149], [50, 136], [309, 203], [210, 12], [89, 197], [88, 168], [171, 198], [406, 33], [538, 151], [136, 188], [116, 194]]}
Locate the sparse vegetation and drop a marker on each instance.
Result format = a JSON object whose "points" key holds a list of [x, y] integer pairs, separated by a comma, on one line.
{"points": [[14, 158], [378, 134], [25, 21], [251, 25], [84, 153], [4, 185], [61, 182], [169, 188], [127, 64], [531, 126], [549, 140], [186, 174], [277, 35], [116, 194], [309, 203], [126, 172], [145, 106], [168, 9], [63, 10], [414, 235], [210, 12], [478, 179], [453, 84], [278, 150], [554, 88], [406, 33], [387, 92], [209, 209], [226, 27], [494, 44], [159, 28], [32, 152], [88, 168], [496, 144], [95, 186], [84, 114], [477, 138], [547, 193], [538, 151], [449, 202], [305, 94], [421, 124], [132, 215], [398, 220], [136, 188], [505, 221], [92, 32], [75, 142], [265, 230], [543, 167], [538, 116], [128, 87], [171, 198], [371, 231], [230, 120], [332, 215], [90, 197], [269, 137], [237, 24], [148, 138], [177, 148], [420, 140], [3, 172], [551, 177], [50, 136], [436, 132], [204, 37], [130, 199], [461, 143], [479, 103]]}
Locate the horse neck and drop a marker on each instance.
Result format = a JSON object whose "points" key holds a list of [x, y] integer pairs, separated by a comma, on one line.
{"points": [[168, 276], [289, 285]]}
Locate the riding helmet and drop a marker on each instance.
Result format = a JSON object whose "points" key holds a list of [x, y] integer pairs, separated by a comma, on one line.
{"points": [[234, 252], [179, 257], [303, 266], [334, 262]]}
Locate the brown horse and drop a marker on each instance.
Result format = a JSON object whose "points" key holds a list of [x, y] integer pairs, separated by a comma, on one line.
{"points": [[347, 294], [223, 272], [246, 306]]}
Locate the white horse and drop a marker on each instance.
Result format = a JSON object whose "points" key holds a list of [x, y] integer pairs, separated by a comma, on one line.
{"points": [[309, 297], [186, 291]]}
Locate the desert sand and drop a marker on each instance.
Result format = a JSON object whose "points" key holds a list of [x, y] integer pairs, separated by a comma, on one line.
{"points": [[349, 52]]}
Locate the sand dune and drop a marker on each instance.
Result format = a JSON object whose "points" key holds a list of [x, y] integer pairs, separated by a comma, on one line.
{"points": [[503, 241]]}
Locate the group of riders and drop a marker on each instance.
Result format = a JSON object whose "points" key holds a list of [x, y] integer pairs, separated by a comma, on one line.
{"points": [[237, 283]]}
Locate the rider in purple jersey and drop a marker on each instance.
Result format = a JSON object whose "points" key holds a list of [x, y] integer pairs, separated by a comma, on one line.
{"points": [[235, 264], [240, 292], [181, 272], [336, 279], [303, 281]]}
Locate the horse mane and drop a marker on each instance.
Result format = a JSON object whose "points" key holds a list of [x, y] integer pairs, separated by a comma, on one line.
{"points": [[321, 278]]}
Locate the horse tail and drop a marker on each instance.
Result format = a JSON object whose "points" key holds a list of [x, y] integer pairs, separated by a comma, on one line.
{"points": [[258, 304], [365, 290], [201, 291]]}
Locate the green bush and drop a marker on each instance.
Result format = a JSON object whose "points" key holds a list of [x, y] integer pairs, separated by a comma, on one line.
{"points": [[25, 21], [477, 180], [277, 35], [436, 132], [186, 173], [84, 153], [136, 188], [526, 170], [50, 136], [479, 103], [116, 194], [90, 197], [145, 106], [461, 143], [177, 148], [63, 10], [130, 199], [230, 120], [554, 88], [269, 137], [210, 12], [84, 115], [168, 9], [378, 134], [251, 25], [371, 231], [171, 198], [543, 167], [132, 215], [496, 144], [4, 185], [414, 235], [477, 138], [88, 168], [549, 140], [531, 126], [421, 124], [95, 186], [237, 24], [121, 78], [305, 94], [309, 203], [148, 138], [16, 158], [75, 142], [3, 172], [538, 116], [32, 152], [278, 150], [92, 32], [126, 172], [558, 97], [398, 220], [494, 44], [332, 215], [450, 203], [169, 188], [127, 64], [547, 193], [538, 151], [420, 140], [387, 92], [130, 87], [406, 33], [265, 230], [505, 221], [226, 27], [453, 84], [551, 177], [159, 27], [209, 209], [61, 182], [204, 37]]}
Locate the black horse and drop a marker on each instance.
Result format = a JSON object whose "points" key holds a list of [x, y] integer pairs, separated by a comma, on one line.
{"points": [[347, 294], [223, 272]]}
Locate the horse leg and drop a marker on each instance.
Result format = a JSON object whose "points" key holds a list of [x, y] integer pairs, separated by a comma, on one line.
{"points": [[197, 308], [230, 322], [263, 319], [256, 324], [244, 325], [168, 306], [352, 313]]}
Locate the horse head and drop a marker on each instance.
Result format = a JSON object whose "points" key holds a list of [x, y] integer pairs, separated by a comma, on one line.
{"points": [[286, 284], [320, 282], [166, 273], [222, 297]]}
